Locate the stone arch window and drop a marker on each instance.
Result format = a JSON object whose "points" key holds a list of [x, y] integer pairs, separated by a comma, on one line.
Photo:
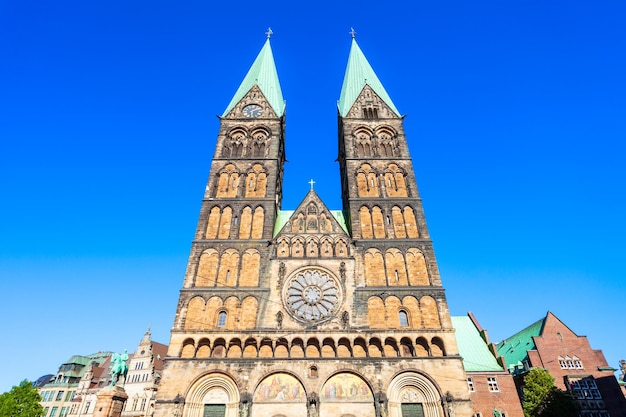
{"points": [[395, 181], [227, 183], [313, 372], [403, 318], [259, 143], [256, 181], [235, 143], [189, 348], [370, 113], [363, 145], [386, 141], [437, 347], [367, 181]]}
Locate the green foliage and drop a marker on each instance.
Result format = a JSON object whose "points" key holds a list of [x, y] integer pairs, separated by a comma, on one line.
{"points": [[559, 404], [23, 401], [537, 385], [543, 399]]}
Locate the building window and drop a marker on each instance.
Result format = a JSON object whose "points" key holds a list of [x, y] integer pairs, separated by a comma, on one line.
{"points": [[478, 415], [86, 409], [470, 385], [221, 319], [143, 404], [51, 397], [63, 412], [313, 372], [492, 382], [53, 413], [45, 411], [44, 396], [404, 318], [60, 395], [577, 363]]}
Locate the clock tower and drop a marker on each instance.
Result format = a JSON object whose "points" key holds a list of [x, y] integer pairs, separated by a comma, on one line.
{"points": [[312, 312]]}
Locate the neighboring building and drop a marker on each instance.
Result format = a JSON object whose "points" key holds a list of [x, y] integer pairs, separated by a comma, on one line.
{"points": [[575, 366], [58, 394], [73, 391], [312, 312], [144, 375], [490, 385]]}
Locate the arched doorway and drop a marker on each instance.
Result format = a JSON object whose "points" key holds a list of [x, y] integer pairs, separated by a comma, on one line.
{"points": [[413, 395], [213, 395]]}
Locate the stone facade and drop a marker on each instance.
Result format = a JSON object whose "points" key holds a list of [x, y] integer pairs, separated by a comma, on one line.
{"points": [[312, 312]]}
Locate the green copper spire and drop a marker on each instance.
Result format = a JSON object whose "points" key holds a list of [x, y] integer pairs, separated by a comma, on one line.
{"points": [[359, 72], [262, 73]]}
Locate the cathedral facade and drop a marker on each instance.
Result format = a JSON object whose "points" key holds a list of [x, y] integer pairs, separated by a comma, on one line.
{"points": [[312, 312]]}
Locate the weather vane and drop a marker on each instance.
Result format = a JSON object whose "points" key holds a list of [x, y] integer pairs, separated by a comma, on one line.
{"points": [[352, 32], [269, 32], [311, 182]]}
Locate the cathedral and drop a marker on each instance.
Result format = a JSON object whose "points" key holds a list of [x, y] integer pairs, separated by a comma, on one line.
{"points": [[312, 312]]}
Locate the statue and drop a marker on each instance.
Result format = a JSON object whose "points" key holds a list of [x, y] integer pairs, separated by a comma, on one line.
{"points": [[119, 367], [279, 319]]}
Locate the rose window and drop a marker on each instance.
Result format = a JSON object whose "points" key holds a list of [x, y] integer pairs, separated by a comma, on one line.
{"points": [[312, 295]]}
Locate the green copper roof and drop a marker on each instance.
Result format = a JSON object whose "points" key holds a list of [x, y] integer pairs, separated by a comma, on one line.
{"points": [[262, 73], [514, 349], [476, 355], [359, 72], [283, 216]]}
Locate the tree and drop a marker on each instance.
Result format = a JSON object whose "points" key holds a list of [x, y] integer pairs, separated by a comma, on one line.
{"points": [[559, 403], [23, 401], [543, 399]]}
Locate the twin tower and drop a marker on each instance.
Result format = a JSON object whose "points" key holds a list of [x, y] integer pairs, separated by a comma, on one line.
{"points": [[312, 312]]}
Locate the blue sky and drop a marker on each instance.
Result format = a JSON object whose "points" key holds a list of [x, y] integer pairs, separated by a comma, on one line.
{"points": [[515, 122]]}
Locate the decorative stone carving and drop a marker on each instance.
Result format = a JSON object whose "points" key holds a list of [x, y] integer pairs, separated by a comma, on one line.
{"points": [[312, 296]]}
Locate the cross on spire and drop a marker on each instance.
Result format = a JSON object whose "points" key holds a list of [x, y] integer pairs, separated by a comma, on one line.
{"points": [[269, 32], [352, 33], [311, 182]]}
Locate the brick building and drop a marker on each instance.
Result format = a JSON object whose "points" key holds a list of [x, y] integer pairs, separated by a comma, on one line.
{"points": [[313, 311], [490, 384], [576, 367]]}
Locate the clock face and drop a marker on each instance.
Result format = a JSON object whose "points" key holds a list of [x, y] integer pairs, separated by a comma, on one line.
{"points": [[312, 296], [252, 110]]}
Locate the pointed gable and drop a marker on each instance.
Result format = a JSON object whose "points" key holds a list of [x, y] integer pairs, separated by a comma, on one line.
{"points": [[263, 74], [311, 217], [359, 73]]}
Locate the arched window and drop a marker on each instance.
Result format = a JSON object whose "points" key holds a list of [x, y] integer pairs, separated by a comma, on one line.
{"points": [[221, 319], [404, 318]]}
